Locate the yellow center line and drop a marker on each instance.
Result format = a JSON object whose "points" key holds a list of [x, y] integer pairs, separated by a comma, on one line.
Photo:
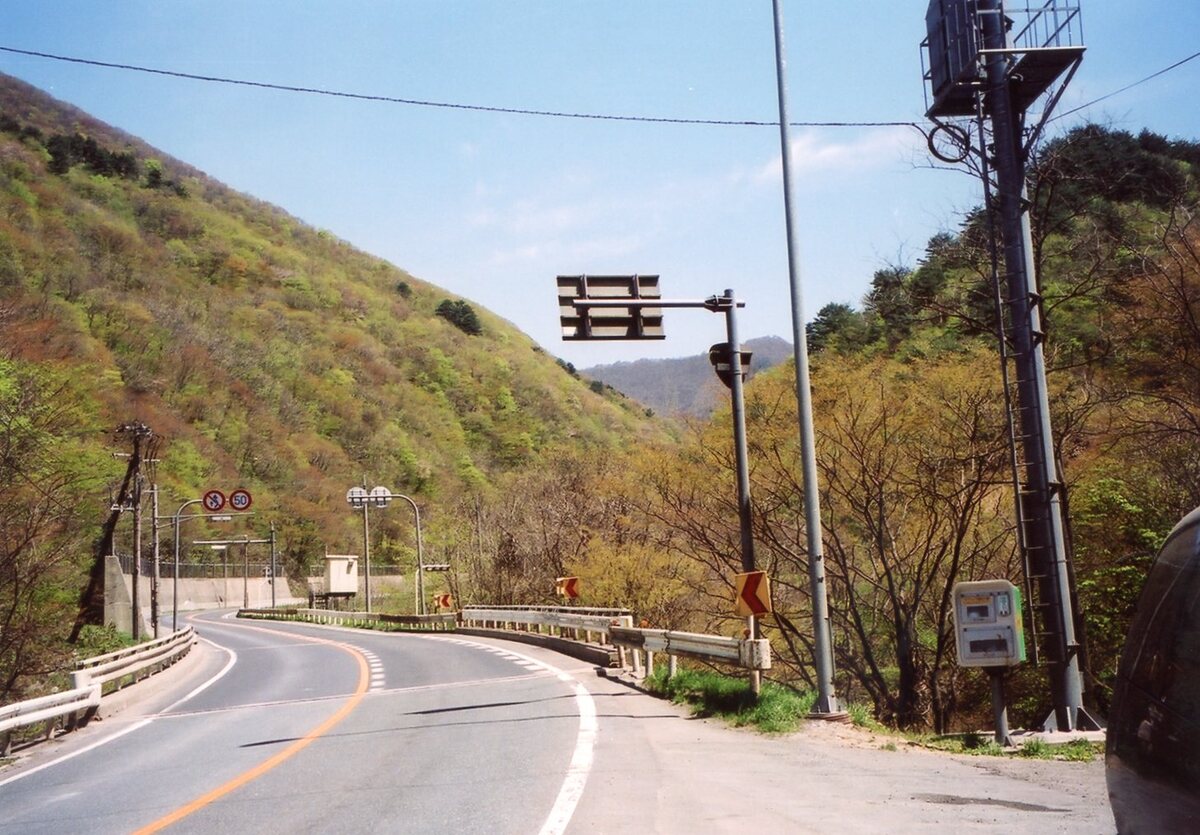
{"points": [[364, 680]]}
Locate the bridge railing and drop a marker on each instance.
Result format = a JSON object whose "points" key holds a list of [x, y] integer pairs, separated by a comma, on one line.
{"points": [[555, 620], [604, 626], [749, 654], [333, 617], [572, 623], [82, 701]]}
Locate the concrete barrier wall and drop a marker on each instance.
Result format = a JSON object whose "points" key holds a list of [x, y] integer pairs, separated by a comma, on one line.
{"points": [[194, 594]]}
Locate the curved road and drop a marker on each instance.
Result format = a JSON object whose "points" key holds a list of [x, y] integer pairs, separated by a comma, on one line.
{"points": [[280, 727], [312, 729]]}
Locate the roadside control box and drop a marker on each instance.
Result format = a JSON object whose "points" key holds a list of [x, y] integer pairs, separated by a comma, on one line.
{"points": [[987, 624], [341, 574]]}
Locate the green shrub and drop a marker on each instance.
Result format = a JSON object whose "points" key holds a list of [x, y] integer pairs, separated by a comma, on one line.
{"points": [[777, 709]]}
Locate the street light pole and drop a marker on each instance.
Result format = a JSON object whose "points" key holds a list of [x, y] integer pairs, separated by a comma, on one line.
{"points": [[175, 573], [367, 550], [827, 704], [381, 497], [273, 571], [419, 585]]}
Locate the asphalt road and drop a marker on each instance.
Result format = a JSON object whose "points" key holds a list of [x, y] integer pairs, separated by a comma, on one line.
{"points": [[292, 728]]}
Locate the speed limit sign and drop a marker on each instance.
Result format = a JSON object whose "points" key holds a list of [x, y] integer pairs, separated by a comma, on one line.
{"points": [[240, 499], [214, 500]]}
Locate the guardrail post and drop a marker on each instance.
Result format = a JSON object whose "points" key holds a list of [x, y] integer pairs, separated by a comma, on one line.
{"points": [[672, 666], [649, 663]]}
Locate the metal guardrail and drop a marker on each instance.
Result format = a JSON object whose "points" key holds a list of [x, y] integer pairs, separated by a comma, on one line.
{"points": [[750, 654], [136, 662], [333, 617], [615, 626], [77, 705], [81, 703], [611, 626], [555, 619]]}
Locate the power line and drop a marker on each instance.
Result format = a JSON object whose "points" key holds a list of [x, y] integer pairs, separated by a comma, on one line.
{"points": [[557, 114], [1150, 77], [288, 88]]}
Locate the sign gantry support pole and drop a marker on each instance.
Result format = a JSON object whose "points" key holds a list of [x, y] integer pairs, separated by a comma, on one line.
{"points": [[727, 305], [731, 374]]}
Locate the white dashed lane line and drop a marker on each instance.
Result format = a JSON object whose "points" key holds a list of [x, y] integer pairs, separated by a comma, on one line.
{"points": [[378, 678]]}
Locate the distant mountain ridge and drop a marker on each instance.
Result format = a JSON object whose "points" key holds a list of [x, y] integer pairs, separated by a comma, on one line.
{"points": [[685, 385]]}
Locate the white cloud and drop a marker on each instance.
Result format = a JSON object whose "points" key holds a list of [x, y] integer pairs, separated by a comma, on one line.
{"points": [[813, 155]]}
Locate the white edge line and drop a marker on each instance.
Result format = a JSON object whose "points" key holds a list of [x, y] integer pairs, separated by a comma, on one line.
{"points": [[581, 762], [135, 726], [575, 781]]}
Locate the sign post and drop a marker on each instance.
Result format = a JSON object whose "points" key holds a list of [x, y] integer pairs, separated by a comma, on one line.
{"points": [[753, 594], [567, 587], [630, 307]]}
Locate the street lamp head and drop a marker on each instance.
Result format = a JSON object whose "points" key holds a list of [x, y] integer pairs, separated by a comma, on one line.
{"points": [[356, 496], [380, 496]]}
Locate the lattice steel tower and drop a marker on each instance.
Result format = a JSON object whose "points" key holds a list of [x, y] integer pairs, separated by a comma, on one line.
{"points": [[989, 61]]}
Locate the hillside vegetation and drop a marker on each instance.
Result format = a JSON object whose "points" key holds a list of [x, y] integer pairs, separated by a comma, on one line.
{"points": [[264, 353]]}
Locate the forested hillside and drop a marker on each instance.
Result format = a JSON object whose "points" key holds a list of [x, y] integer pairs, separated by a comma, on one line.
{"points": [[263, 353]]}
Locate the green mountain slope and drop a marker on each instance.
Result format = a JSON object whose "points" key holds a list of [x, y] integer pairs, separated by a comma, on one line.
{"points": [[686, 385], [266, 353]]}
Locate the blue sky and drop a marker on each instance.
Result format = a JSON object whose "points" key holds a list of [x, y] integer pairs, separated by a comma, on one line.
{"points": [[492, 206]]}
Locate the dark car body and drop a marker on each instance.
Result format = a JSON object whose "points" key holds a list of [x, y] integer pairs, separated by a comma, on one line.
{"points": [[1153, 752]]}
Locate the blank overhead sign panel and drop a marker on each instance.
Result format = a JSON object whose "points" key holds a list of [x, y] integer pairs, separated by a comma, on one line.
{"points": [[608, 319]]}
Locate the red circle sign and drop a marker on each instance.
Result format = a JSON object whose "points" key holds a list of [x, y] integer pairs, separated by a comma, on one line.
{"points": [[240, 499], [214, 500]]}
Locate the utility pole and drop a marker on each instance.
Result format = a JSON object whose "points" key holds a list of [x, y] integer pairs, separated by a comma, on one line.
{"points": [[145, 443], [137, 554], [1018, 68], [1042, 506]]}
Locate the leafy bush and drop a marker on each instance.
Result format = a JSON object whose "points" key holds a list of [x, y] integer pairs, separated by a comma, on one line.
{"points": [[461, 315]]}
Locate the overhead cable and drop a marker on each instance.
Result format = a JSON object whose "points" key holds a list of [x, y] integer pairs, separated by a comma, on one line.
{"points": [[1150, 77], [609, 117], [288, 88]]}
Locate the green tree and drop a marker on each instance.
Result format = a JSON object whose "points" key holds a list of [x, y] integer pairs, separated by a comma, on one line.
{"points": [[461, 315], [51, 480]]}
